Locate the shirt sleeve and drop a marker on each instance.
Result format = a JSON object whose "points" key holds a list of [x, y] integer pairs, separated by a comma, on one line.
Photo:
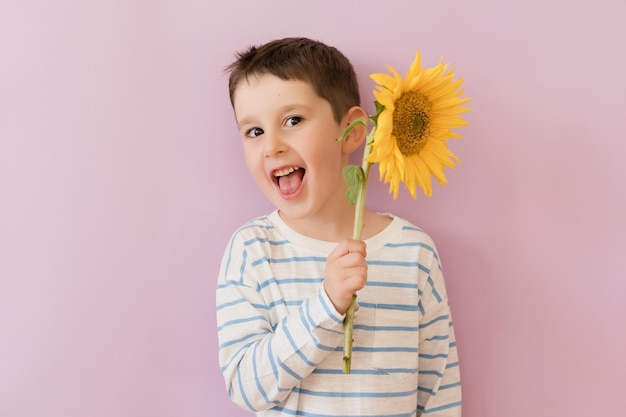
{"points": [[262, 361], [439, 390]]}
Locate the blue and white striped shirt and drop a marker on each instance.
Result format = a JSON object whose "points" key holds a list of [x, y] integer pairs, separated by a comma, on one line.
{"points": [[281, 340]]}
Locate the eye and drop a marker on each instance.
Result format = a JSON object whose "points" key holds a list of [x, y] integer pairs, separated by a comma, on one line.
{"points": [[254, 132], [292, 121]]}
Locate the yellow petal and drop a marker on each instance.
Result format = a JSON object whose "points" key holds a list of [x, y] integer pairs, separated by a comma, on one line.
{"points": [[443, 93], [384, 80]]}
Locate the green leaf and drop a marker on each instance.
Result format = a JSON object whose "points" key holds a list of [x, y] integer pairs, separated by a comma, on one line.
{"points": [[379, 110], [361, 121], [355, 178]]}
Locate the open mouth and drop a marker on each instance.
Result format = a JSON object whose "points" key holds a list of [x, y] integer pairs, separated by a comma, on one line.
{"points": [[289, 180]]}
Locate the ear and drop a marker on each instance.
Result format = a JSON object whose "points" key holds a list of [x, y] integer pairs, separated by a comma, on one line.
{"points": [[357, 136]]}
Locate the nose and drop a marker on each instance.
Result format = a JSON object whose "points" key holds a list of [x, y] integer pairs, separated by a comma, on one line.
{"points": [[273, 144]]}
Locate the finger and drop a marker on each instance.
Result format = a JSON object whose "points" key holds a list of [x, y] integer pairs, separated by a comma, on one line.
{"points": [[357, 246], [342, 249], [355, 283]]}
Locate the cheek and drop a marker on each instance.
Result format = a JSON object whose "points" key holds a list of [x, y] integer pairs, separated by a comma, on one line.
{"points": [[326, 148], [254, 164], [250, 152], [249, 161], [329, 165]]}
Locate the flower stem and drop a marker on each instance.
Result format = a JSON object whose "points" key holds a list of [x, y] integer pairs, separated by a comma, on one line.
{"points": [[348, 321]]}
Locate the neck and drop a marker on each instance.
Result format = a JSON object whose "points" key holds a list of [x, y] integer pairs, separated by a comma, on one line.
{"points": [[336, 227], [331, 227]]}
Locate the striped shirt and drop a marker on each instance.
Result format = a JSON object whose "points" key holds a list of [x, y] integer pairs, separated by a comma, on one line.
{"points": [[281, 340]]}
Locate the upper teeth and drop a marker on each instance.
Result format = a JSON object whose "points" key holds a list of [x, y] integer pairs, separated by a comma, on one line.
{"points": [[285, 171]]}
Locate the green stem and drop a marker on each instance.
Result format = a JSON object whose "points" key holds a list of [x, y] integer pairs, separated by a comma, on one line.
{"points": [[359, 210]]}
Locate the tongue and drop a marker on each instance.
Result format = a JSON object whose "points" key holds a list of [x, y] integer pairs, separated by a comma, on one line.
{"points": [[290, 183]]}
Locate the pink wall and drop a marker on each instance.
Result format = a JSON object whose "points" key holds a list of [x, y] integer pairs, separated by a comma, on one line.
{"points": [[121, 179]]}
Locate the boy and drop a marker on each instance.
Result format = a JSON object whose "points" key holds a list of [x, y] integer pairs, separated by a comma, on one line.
{"points": [[287, 279]]}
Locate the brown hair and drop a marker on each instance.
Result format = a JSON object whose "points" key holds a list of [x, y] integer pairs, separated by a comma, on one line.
{"points": [[324, 67]]}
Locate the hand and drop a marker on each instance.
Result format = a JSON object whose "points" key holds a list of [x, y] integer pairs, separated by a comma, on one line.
{"points": [[346, 272]]}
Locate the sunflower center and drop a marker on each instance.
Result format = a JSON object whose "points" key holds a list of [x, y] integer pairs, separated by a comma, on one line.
{"points": [[411, 122]]}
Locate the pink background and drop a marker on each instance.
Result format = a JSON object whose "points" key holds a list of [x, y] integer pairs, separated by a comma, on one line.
{"points": [[121, 179]]}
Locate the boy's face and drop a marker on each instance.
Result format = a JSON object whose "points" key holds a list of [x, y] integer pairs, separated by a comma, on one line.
{"points": [[290, 146]]}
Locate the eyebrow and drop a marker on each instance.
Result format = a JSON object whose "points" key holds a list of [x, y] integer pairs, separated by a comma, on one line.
{"points": [[243, 122], [284, 109]]}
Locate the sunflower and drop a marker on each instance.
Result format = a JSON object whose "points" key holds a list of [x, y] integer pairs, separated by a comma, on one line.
{"points": [[414, 120], [414, 117]]}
